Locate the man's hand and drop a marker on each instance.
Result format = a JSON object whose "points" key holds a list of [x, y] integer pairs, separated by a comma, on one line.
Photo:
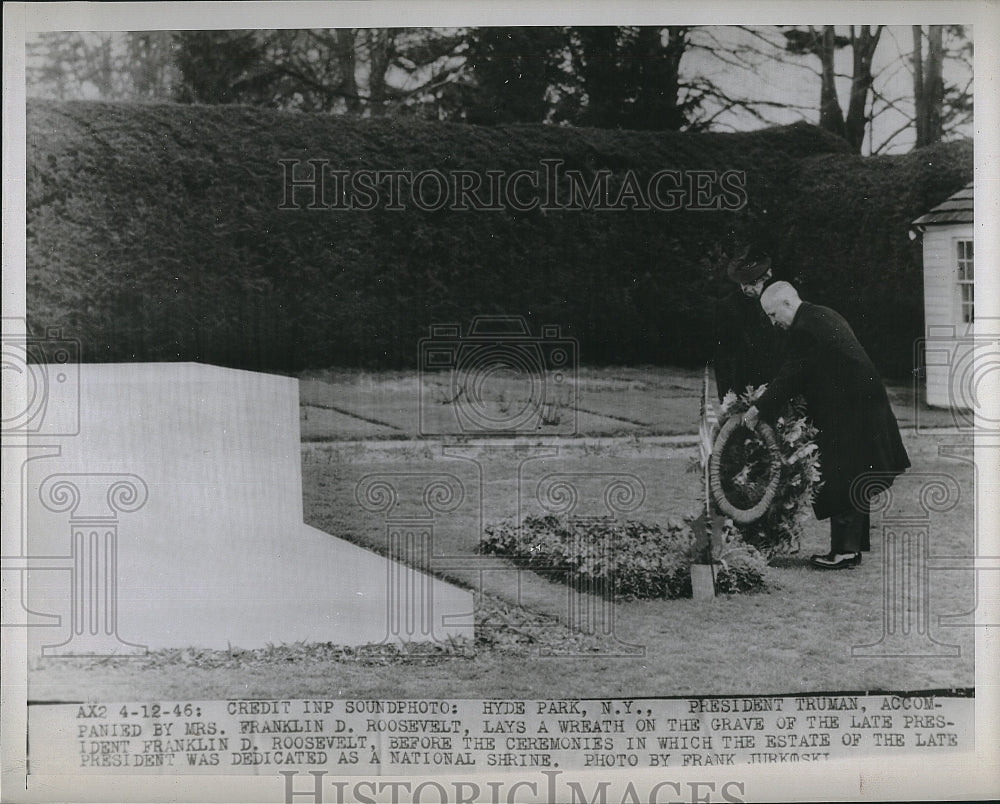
{"points": [[750, 418]]}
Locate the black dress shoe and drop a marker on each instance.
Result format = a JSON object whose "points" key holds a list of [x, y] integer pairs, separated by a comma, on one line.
{"points": [[836, 561]]}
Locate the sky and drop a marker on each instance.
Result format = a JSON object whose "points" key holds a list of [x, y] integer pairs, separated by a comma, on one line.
{"points": [[796, 81], [787, 90]]}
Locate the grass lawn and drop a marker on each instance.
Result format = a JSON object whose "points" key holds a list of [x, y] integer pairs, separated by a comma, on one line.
{"points": [[796, 637], [606, 401], [351, 405]]}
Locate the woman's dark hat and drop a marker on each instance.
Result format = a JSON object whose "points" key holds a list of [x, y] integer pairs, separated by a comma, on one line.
{"points": [[749, 266]]}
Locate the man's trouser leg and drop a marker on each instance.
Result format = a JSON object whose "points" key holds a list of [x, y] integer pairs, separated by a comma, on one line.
{"points": [[849, 532]]}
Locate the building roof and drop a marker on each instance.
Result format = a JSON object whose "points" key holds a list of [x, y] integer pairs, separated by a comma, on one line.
{"points": [[956, 209]]}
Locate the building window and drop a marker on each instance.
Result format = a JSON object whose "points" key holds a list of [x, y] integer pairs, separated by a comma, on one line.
{"points": [[966, 285]]}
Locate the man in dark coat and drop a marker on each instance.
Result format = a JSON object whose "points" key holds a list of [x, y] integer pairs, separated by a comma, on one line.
{"points": [[747, 347], [846, 400]]}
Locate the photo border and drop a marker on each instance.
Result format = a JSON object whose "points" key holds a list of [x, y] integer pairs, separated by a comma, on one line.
{"points": [[959, 776]]}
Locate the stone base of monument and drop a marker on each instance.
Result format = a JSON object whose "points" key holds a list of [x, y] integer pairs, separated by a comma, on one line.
{"points": [[172, 518], [702, 582]]}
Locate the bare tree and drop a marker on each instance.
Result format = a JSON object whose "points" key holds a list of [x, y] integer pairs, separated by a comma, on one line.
{"points": [[864, 41], [928, 84], [941, 106], [831, 117], [381, 52]]}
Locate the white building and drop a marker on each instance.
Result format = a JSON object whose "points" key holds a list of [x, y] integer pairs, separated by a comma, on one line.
{"points": [[949, 304]]}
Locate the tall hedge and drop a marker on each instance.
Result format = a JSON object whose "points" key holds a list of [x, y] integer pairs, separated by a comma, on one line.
{"points": [[155, 233]]}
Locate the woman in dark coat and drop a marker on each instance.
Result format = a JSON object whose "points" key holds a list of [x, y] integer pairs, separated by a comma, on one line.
{"points": [[747, 347], [846, 400]]}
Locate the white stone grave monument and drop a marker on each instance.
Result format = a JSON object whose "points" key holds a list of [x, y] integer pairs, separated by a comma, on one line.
{"points": [[173, 519]]}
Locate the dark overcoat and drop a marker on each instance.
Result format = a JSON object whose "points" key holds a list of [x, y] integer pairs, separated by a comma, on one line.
{"points": [[747, 347], [846, 400]]}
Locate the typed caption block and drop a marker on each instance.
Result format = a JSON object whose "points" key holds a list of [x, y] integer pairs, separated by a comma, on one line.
{"points": [[395, 737]]}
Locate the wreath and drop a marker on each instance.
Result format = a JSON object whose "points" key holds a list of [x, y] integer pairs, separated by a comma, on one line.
{"points": [[769, 477], [745, 470]]}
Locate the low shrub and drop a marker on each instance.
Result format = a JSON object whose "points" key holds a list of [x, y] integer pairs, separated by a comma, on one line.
{"points": [[622, 559], [742, 569], [160, 232]]}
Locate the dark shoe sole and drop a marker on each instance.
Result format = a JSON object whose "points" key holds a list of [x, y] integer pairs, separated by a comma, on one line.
{"points": [[844, 563]]}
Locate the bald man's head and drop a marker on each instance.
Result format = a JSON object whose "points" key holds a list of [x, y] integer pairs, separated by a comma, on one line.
{"points": [[780, 301]]}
